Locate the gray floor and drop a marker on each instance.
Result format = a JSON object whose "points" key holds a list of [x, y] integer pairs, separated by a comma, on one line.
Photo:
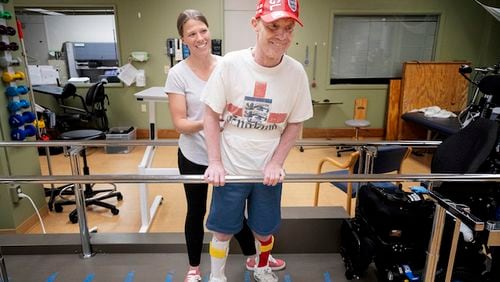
{"points": [[162, 267]]}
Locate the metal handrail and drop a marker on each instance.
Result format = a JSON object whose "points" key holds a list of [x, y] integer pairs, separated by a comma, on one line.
{"points": [[469, 220], [441, 204], [174, 142], [437, 230], [294, 178]]}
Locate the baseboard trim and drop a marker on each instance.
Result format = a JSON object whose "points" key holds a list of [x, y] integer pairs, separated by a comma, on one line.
{"points": [[341, 132], [307, 133], [28, 223], [162, 134], [32, 220]]}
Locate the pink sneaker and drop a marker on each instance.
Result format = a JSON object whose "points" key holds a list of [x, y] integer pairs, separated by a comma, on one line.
{"points": [[192, 276], [274, 264]]}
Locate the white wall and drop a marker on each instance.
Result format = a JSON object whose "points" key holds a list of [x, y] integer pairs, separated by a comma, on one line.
{"points": [[238, 33], [35, 39], [60, 29]]}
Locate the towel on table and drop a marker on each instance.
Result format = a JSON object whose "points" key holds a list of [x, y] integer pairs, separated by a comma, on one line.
{"points": [[435, 112]]}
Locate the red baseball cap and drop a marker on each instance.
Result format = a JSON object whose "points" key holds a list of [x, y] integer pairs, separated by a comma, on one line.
{"points": [[271, 10]]}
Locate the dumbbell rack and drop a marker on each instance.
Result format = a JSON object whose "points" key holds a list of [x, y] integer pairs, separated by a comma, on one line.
{"points": [[20, 109]]}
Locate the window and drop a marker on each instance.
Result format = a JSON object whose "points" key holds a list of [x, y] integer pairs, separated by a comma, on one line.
{"points": [[79, 42], [371, 49]]}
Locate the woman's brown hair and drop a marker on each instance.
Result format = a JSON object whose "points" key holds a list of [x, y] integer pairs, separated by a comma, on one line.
{"points": [[189, 14]]}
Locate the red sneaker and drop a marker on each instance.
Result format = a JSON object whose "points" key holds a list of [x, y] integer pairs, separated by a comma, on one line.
{"points": [[274, 264]]}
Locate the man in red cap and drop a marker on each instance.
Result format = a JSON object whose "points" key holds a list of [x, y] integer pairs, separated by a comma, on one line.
{"points": [[263, 96]]}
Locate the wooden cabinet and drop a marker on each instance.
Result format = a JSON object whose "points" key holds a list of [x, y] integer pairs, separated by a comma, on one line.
{"points": [[424, 84]]}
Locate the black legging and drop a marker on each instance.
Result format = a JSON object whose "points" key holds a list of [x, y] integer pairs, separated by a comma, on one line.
{"points": [[196, 196]]}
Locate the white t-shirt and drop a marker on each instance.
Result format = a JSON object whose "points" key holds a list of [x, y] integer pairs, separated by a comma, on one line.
{"points": [[256, 103], [182, 80]]}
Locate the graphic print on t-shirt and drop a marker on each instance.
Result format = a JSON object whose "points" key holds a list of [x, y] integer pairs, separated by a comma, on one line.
{"points": [[255, 111]]}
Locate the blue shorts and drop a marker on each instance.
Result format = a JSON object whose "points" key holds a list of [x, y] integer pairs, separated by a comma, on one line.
{"points": [[228, 208]]}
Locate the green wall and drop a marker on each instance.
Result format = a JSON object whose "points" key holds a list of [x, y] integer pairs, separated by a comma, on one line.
{"points": [[16, 161], [466, 33]]}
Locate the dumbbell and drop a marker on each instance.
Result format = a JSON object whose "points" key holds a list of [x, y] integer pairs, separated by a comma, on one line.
{"points": [[12, 46], [9, 77], [15, 106], [18, 120], [5, 63], [20, 134], [13, 91], [7, 30], [5, 15], [40, 123]]}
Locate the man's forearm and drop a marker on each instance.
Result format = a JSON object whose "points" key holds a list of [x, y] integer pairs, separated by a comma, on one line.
{"points": [[212, 134], [287, 141]]}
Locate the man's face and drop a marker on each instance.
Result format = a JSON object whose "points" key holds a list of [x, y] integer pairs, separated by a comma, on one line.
{"points": [[274, 38]]}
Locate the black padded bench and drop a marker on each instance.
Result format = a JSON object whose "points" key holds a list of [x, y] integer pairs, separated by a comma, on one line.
{"points": [[442, 126]]}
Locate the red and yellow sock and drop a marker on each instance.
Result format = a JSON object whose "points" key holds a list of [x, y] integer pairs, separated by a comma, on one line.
{"points": [[264, 251]]}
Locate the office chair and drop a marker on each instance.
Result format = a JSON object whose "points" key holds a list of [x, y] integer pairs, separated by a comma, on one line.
{"points": [[91, 195], [89, 112], [85, 113], [387, 159], [359, 121]]}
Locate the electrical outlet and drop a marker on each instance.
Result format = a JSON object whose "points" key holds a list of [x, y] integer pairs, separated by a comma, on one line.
{"points": [[143, 108], [15, 190]]}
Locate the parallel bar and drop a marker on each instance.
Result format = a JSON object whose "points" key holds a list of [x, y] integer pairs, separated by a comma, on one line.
{"points": [[174, 142], [49, 165], [468, 219], [453, 251], [290, 178], [434, 244], [3, 269], [80, 203], [145, 163]]}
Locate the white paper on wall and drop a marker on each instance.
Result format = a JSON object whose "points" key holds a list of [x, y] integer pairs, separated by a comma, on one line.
{"points": [[127, 74], [42, 74]]}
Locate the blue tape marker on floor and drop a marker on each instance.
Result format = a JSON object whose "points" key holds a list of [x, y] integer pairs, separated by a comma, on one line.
{"points": [[52, 277], [247, 276], [130, 276], [89, 277], [169, 277], [288, 278], [327, 277]]}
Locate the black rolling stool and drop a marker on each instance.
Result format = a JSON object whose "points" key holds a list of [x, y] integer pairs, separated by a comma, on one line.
{"points": [[91, 195]]}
